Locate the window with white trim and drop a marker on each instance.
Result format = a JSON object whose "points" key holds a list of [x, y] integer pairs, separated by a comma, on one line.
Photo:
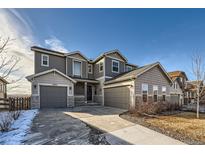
{"points": [[144, 92], [100, 66], [44, 60], [70, 92], [90, 68], [175, 85], [77, 68], [115, 66], [164, 91], [181, 79], [155, 93]]}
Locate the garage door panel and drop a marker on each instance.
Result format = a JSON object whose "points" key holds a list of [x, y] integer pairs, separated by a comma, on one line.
{"points": [[53, 97], [117, 97]]}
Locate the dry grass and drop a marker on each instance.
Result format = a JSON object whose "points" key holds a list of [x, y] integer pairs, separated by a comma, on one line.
{"points": [[184, 124]]}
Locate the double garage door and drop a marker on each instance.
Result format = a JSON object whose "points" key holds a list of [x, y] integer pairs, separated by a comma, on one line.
{"points": [[117, 97], [53, 97]]}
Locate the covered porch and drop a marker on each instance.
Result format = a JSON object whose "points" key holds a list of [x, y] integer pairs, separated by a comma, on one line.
{"points": [[85, 92]]}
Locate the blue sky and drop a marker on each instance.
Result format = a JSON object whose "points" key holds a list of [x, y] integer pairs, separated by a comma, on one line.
{"points": [[142, 35]]}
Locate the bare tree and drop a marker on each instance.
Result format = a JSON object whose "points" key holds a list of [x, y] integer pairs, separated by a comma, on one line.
{"points": [[199, 74], [8, 62]]}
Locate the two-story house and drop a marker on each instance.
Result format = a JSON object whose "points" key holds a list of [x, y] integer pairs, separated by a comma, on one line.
{"points": [[177, 91], [68, 79]]}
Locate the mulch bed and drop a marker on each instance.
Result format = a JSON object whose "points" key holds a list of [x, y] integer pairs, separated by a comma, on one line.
{"points": [[141, 120]]}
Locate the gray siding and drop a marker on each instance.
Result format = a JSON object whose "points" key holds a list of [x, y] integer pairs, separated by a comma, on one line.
{"points": [[97, 74], [108, 67], [69, 66], [56, 62], [79, 88], [84, 69], [152, 77], [91, 75]]}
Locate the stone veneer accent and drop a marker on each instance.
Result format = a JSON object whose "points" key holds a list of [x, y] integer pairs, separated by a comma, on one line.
{"points": [[35, 102], [70, 101]]}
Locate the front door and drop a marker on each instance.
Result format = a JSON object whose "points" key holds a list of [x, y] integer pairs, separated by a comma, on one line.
{"points": [[89, 93]]}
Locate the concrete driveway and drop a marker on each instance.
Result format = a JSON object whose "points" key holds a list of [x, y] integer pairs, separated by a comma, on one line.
{"points": [[118, 130], [53, 126]]}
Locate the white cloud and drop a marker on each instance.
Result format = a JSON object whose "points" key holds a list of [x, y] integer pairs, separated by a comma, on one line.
{"points": [[55, 44], [13, 25]]}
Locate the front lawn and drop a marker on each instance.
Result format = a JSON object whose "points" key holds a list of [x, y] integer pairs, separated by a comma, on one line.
{"points": [[182, 126]]}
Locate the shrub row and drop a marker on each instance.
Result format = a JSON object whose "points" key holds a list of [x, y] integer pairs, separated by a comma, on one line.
{"points": [[156, 107], [7, 119]]}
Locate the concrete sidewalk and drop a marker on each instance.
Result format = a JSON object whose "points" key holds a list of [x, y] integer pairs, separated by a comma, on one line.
{"points": [[118, 130], [140, 135]]}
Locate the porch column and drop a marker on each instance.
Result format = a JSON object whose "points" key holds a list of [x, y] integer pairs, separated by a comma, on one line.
{"points": [[85, 91], [93, 93]]}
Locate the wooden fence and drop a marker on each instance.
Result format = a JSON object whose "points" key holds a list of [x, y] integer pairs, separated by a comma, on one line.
{"points": [[15, 103]]}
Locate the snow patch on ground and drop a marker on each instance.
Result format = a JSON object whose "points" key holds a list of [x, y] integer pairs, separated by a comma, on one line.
{"points": [[19, 128]]}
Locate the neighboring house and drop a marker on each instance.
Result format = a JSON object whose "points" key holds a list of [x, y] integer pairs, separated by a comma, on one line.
{"points": [[177, 92], [191, 92], [3, 88], [69, 79]]}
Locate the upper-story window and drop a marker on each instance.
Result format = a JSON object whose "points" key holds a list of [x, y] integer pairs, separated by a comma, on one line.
{"points": [[100, 66], [77, 68], [90, 68], [44, 60], [128, 68], [144, 92], [115, 66], [181, 79], [175, 85]]}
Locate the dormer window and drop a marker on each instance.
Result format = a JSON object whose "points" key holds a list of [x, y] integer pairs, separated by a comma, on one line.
{"points": [[44, 60], [115, 66]]}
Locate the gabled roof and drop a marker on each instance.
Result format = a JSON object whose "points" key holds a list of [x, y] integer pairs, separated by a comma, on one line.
{"points": [[77, 52], [29, 78], [137, 72], [176, 74], [133, 65], [3, 80], [49, 51], [110, 52]]}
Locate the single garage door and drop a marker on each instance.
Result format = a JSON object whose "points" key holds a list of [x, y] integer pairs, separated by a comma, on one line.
{"points": [[117, 97], [53, 97]]}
